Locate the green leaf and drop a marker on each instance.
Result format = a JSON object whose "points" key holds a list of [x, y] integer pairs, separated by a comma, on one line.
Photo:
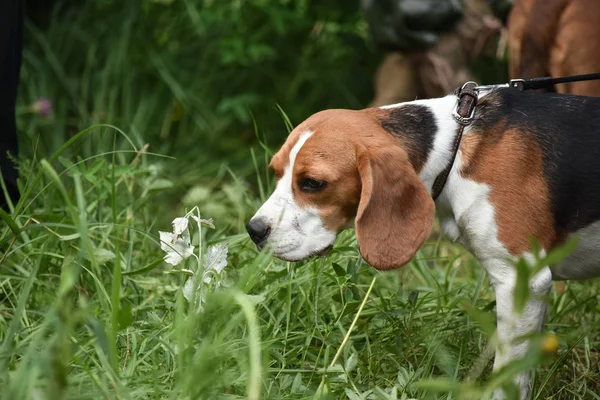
{"points": [[534, 246], [65, 162], [348, 295], [341, 280], [351, 395], [521, 294], [297, 383], [103, 255], [256, 299], [412, 298], [69, 273], [351, 362], [125, 315], [351, 307], [9, 221], [67, 238], [160, 184], [339, 271], [560, 253], [485, 320], [146, 268], [337, 298], [99, 333]]}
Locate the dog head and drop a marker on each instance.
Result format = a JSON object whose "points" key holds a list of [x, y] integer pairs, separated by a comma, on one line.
{"points": [[336, 167]]}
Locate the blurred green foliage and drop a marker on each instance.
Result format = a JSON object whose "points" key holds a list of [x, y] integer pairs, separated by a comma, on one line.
{"points": [[190, 76]]}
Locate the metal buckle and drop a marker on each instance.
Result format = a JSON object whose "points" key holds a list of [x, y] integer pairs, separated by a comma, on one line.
{"points": [[517, 84], [483, 88], [464, 120], [470, 83]]}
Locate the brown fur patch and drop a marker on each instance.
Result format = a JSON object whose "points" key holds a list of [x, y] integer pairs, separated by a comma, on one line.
{"points": [[510, 162], [337, 203], [395, 213], [330, 155]]}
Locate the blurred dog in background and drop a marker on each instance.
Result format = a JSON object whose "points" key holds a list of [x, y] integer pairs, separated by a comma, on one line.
{"points": [[555, 38], [431, 44], [432, 48]]}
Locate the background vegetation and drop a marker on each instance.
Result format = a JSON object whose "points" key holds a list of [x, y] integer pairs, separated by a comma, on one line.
{"points": [[160, 106]]}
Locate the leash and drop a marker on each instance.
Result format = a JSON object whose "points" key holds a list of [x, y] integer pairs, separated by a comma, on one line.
{"points": [[542, 83]]}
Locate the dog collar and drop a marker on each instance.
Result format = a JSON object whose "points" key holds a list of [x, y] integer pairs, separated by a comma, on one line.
{"points": [[463, 113]]}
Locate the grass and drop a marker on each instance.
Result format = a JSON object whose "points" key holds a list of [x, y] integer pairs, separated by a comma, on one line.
{"points": [[90, 310]]}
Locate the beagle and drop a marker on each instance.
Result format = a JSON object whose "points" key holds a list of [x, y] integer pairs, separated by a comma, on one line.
{"points": [[527, 165]]}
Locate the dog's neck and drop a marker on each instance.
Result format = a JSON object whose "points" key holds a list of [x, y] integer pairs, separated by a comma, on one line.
{"points": [[440, 139]]}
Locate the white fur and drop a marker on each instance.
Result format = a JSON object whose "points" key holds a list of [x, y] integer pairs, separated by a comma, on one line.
{"points": [[296, 233]]}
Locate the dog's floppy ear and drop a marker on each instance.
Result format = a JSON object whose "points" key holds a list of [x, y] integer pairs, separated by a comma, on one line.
{"points": [[395, 212]]}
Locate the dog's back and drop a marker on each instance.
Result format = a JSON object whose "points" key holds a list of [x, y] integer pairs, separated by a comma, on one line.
{"points": [[566, 129], [557, 38]]}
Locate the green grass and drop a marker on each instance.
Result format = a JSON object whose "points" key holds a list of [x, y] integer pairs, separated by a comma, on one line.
{"points": [[88, 307], [88, 310]]}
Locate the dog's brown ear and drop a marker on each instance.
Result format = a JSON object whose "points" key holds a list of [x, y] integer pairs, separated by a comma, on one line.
{"points": [[395, 212]]}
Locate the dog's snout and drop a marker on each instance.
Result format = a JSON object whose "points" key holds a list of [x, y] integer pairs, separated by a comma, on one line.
{"points": [[258, 230]]}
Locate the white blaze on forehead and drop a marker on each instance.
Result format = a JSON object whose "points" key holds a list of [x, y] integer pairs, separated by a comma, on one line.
{"points": [[296, 232], [288, 172], [282, 201]]}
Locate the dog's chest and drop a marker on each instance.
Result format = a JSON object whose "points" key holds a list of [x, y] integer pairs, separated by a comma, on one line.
{"points": [[467, 216], [476, 231]]}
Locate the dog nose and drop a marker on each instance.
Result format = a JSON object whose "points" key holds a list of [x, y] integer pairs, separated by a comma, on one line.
{"points": [[258, 230]]}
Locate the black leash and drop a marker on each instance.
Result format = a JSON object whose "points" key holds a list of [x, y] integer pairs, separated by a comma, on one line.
{"points": [[543, 83], [548, 82]]}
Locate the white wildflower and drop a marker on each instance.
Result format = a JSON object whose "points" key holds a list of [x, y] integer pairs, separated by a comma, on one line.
{"points": [[188, 291], [178, 247], [180, 225], [178, 244], [216, 257], [215, 261]]}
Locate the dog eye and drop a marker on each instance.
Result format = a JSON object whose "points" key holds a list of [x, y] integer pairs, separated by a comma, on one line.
{"points": [[309, 185]]}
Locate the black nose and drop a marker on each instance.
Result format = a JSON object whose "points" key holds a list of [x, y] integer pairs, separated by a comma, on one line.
{"points": [[258, 230]]}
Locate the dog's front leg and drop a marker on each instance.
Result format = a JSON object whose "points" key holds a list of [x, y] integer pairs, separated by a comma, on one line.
{"points": [[511, 325]]}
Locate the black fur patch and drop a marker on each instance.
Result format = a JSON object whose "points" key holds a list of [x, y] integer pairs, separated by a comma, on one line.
{"points": [[567, 129], [415, 124]]}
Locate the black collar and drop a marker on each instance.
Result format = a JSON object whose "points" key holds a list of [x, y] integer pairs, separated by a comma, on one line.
{"points": [[466, 101]]}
